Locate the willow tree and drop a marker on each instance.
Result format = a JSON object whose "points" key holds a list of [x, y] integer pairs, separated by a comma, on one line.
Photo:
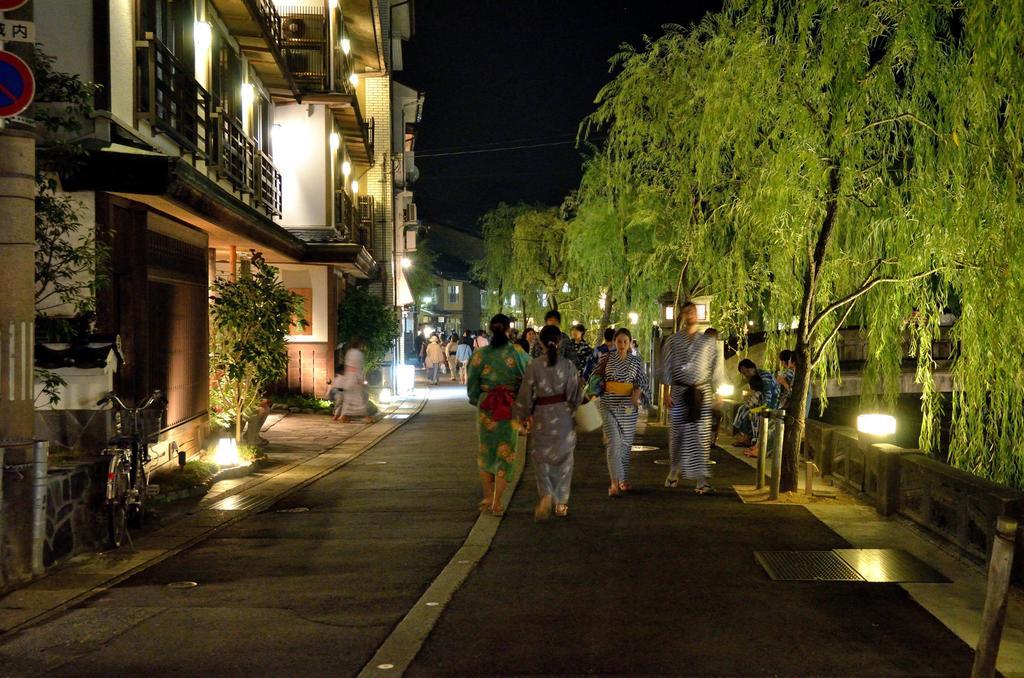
{"points": [[988, 416], [813, 143], [497, 269]]}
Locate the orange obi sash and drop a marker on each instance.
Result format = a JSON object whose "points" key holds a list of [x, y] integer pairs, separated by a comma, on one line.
{"points": [[621, 388]]}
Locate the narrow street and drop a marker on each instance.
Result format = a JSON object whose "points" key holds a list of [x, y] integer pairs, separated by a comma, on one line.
{"points": [[659, 582], [287, 591]]}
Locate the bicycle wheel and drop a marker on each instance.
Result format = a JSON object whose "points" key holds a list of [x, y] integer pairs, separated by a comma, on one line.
{"points": [[117, 508], [137, 509]]}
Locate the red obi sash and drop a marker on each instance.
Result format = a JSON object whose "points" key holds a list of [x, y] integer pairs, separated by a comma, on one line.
{"points": [[498, 403]]}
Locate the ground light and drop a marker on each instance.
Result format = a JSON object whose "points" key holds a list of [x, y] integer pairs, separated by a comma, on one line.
{"points": [[406, 379], [227, 453], [385, 395], [726, 390], [876, 424]]}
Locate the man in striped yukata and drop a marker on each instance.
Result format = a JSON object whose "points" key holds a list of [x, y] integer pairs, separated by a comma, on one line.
{"points": [[690, 366]]}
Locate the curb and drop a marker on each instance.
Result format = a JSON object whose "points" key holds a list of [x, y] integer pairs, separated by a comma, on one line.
{"points": [[52, 612]]}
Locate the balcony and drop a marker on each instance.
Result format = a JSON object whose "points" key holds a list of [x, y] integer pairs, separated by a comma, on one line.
{"points": [[354, 221], [170, 99], [236, 157], [305, 38], [256, 25]]}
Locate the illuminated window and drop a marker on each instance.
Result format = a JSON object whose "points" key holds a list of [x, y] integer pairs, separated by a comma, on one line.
{"points": [[454, 289]]}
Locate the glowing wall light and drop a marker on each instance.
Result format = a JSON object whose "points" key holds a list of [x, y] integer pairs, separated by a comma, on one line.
{"points": [[335, 143], [406, 262], [248, 94], [346, 46], [202, 35], [353, 79], [346, 169], [355, 187]]}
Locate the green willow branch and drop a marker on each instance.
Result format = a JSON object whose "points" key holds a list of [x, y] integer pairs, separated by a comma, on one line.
{"points": [[864, 289]]}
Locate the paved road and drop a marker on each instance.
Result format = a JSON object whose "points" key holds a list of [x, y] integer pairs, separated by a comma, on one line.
{"points": [[305, 593], [664, 582], [661, 582]]}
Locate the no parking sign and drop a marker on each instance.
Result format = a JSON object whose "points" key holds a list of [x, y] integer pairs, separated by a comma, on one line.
{"points": [[17, 86]]}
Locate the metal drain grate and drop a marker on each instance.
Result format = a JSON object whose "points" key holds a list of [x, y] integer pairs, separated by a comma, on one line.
{"points": [[806, 566], [239, 502], [890, 565]]}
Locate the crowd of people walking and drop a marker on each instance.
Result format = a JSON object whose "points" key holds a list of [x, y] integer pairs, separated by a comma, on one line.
{"points": [[535, 382]]}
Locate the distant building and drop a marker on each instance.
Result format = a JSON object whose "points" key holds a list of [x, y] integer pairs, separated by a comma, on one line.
{"points": [[454, 303]]}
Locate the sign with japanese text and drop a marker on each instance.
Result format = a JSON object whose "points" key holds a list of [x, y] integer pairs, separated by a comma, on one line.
{"points": [[12, 30]]}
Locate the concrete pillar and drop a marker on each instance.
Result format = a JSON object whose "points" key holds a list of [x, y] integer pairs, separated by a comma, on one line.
{"points": [[17, 303]]}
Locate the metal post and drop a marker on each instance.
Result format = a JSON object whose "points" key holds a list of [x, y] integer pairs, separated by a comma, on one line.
{"points": [[780, 429], [762, 451], [810, 468], [40, 458]]}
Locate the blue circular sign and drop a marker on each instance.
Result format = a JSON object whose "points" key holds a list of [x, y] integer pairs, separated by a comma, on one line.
{"points": [[17, 86]]}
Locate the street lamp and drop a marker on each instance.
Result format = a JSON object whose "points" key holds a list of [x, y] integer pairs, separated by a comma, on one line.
{"points": [[667, 311], [634, 317]]}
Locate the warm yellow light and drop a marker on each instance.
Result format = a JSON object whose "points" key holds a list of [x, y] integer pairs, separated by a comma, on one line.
{"points": [[346, 169], [634, 317], [876, 424], [346, 45], [726, 390], [385, 395], [335, 142], [670, 313], [353, 78], [227, 452], [202, 36], [406, 262], [355, 187], [334, 4], [248, 94]]}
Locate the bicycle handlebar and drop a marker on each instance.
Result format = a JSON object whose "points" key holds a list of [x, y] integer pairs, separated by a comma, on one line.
{"points": [[156, 396]]}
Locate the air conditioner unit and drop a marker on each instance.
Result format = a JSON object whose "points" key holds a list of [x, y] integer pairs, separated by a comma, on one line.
{"points": [[409, 214]]}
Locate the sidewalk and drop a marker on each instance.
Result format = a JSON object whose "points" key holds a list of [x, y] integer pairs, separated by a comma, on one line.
{"points": [[958, 605], [302, 449], [664, 582]]}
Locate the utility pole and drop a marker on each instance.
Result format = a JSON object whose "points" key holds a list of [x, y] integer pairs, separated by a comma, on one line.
{"points": [[17, 307]]}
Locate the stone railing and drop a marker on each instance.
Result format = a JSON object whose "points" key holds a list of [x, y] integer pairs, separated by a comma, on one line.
{"points": [[956, 506]]}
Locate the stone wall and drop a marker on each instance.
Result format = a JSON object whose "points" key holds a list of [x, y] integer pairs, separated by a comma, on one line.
{"points": [[74, 509]]}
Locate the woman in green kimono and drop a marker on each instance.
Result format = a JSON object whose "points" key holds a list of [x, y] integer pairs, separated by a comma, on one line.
{"points": [[495, 373]]}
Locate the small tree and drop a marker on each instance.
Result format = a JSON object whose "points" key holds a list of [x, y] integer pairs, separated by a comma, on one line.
{"points": [[70, 265], [365, 315], [251, 317]]}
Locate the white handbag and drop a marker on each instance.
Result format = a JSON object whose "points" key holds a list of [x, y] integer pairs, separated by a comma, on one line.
{"points": [[588, 416]]}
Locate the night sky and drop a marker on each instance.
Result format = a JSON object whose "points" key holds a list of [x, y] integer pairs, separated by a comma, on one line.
{"points": [[500, 73]]}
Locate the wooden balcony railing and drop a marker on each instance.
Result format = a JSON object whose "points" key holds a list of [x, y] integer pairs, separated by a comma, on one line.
{"points": [[270, 21], [234, 153], [169, 97], [345, 216], [268, 187]]}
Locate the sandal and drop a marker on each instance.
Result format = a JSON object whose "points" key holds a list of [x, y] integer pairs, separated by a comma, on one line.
{"points": [[484, 505], [613, 491], [625, 487], [751, 452], [497, 513], [672, 481], [704, 489], [562, 510]]}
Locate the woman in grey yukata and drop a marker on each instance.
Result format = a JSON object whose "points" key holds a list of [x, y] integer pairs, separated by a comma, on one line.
{"points": [[549, 395]]}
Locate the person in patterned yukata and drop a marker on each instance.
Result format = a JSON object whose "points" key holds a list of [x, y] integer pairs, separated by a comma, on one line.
{"points": [[549, 395], [495, 374], [624, 388], [748, 419], [579, 350], [690, 368]]}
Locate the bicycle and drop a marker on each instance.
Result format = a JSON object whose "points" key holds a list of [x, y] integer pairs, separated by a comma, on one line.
{"points": [[125, 496]]}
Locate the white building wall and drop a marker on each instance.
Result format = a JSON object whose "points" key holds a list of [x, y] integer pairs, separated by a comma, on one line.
{"points": [[379, 179], [122, 32], [296, 276], [300, 140]]}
